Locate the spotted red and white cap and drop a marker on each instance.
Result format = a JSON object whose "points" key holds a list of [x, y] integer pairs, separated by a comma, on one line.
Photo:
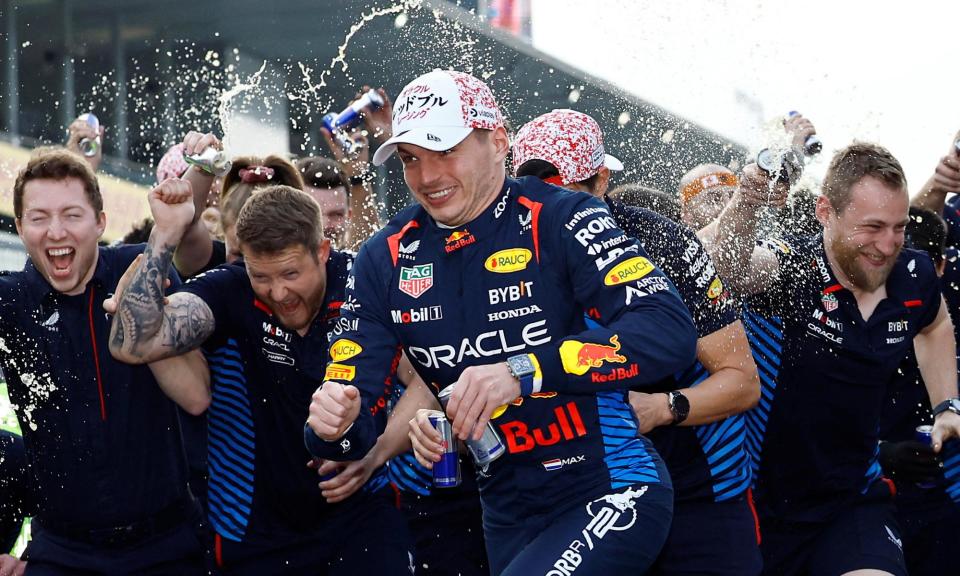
{"points": [[572, 141], [172, 165], [438, 110]]}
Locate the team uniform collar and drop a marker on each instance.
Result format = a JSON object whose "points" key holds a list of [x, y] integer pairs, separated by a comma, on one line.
{"points": [[484, 223]]}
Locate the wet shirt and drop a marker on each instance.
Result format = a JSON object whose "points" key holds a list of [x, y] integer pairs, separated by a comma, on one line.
{"points": [[520, 278], [263, 376], [832, 372], [709, 461], [102, 439]]}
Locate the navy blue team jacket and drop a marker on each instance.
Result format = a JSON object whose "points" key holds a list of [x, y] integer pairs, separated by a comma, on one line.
{"points": [[826, 374], [263, 376], [102, 439], [708, 462], [521, 278]]}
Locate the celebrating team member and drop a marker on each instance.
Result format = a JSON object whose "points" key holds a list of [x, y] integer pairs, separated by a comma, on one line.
{"points": [[492, 270], [849, 303], [694, 418], [265, 322], [103, 442]]}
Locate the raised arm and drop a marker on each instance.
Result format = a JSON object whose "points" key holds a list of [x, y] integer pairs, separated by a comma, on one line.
{"points": [[364, 215], [944, 180], [185, 379], [731, 239], [145, 328], [195, 248]]}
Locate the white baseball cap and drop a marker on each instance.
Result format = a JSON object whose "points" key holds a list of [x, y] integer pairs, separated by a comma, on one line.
{"points": [[572, 141], [438, 110]]}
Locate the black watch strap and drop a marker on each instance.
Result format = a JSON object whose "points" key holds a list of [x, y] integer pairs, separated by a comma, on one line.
{"points": [[950, 404], [679, 406]]}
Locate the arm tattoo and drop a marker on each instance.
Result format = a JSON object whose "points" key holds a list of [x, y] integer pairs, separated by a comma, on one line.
{"points": [[144, 327]]}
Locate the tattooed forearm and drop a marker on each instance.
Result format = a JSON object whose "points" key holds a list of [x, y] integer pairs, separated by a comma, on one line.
{"points": [[188, 321], [140, 310], [144, 328]]}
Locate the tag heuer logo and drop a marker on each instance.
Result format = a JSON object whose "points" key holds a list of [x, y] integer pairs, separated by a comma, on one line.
{"points": [[830, 302], [417, 280]]}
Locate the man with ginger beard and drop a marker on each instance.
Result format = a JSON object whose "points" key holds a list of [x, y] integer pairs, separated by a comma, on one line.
{"points": [[851, 302], [266, 321]]}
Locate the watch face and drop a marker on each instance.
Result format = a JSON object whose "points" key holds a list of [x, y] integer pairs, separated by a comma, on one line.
{"points": [[679, 405], [521, 365], [768, 162]]}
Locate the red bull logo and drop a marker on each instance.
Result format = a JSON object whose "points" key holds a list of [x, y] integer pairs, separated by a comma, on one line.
{"points": [[578, 357], [615, 374], [568, 426], [717, 292], [458, 240]]}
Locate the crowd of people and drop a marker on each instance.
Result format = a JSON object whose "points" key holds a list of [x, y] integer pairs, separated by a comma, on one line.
{"points": [[736, 377]]}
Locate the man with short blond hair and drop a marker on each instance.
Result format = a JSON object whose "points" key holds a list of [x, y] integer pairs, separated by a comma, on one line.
{"points": [[839, 312]]}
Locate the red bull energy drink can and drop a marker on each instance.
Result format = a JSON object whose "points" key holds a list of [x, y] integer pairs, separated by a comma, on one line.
{"points": [[784, 166], [812, 145], [485, 450], [90, 146], [446, 472], [339, 124]]}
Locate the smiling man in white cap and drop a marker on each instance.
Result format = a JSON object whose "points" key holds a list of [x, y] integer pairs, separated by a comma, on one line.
{"points": [[485, 284], [434, 118]]}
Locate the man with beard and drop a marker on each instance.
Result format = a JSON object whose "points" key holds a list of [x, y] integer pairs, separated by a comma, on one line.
{"points": [[852, 302], [266, 321]]}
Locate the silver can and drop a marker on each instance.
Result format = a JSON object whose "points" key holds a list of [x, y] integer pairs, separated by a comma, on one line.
{"points": [[784, 166], [485, 450], [90, 146], [210, 160]]}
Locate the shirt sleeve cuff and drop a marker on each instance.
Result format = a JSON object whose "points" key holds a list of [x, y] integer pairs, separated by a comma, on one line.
{"points": [[353, 445]]}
